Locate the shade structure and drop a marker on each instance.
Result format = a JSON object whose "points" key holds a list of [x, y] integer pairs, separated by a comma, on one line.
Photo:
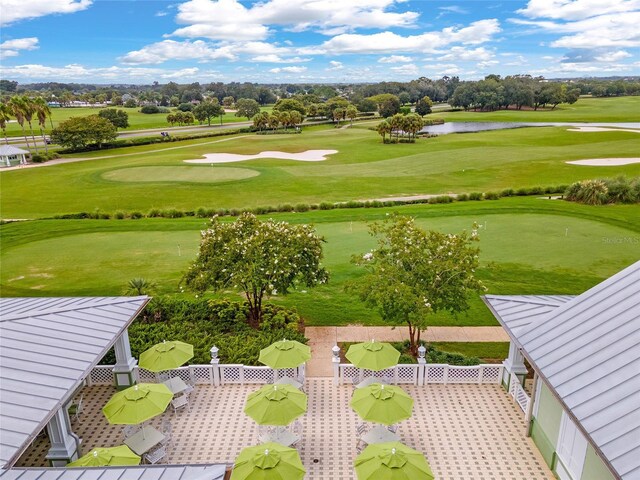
{"points": [[166, 356], [269, 461], [285, 354], [138, 403], [276, 405], [392, 461], [107, 457], [384, 404], [373, 355]]}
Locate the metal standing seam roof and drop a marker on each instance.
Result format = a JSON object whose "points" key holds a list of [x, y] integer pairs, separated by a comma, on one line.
{"points": [[47, 347], [147, 472], [588, 351], [517, 312], [7, 150]]}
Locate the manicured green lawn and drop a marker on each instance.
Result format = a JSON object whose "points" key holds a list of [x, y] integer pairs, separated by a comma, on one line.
{"points": [[137, 120], [616, 109], [528, 245], [483, 350], [363, 168]]}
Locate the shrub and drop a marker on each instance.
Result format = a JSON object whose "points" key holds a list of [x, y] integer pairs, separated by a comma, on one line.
{"points": [[522, 191], [536, 191], [285, 208], [507, 192], [492, 196], [37, 158], [172, 213], [463, 197], [136, 215], [185, 107], [150, 109], [154, 212], [326, 206], [620, 190], [475, 196], [592, 192], [119, 215], [302, 207]]}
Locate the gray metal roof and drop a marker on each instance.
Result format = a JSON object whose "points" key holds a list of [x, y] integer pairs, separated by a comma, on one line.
{"points": [[518, 311], [588, 351], [6, 150], [47, 347], [148, 472]]}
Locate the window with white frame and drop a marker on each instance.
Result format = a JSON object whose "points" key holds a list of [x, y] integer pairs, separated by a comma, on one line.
{"points": [[571, 449]]}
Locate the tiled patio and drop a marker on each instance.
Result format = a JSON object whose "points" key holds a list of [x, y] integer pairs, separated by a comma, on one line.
{"points": [[466, 431]]}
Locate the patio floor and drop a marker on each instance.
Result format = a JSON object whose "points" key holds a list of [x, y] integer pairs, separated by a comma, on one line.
{"points": [[466, 431]]}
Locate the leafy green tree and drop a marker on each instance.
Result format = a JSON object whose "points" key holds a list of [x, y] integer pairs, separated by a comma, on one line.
{"points": [[247, 107], [119, 118], [413, 274], [79, 132], [288, 104], [208, 110], [367, 105], [412, 124], [423, 106], [131, 103], [259, 258], [228, 101], [389, 108], [261, 120], [274, 121], [295, 118], [404, 98], [338, 115]]}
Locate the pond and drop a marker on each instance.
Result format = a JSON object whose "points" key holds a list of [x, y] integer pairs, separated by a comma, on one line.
{"points": [[468, 127]]}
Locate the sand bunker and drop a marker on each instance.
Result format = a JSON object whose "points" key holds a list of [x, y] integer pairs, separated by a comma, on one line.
{"points": [[307, 156], [601, 129], [605, 162]]}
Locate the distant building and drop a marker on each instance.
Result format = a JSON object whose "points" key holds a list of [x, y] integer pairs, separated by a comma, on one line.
{"points": [[11, 156]]}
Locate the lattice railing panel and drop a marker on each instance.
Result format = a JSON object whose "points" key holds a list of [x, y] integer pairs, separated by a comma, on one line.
{"points": [[258, 375], [202, 374], [101, 375], [436, 374], [231, 374], [407, 374], [491, 374], [146, 376], [457, 374]]}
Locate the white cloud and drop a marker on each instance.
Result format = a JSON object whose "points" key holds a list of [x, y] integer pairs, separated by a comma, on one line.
{"points": [[444, 69], [389, 42], [576, 9], [464, 54], [224, 19], [11, 48], [16, 10], [407, 70], [334, 65], [75, 72], [273, 58], [395, 59], [488, 64], [612, 56], [171, 50], [288, 70]]}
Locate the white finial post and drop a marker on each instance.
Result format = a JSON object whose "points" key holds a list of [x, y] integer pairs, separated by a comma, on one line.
{"points": [[336, 364]]}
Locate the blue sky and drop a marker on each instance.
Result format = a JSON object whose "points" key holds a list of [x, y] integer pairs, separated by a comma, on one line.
{"points": [[103, 41]]}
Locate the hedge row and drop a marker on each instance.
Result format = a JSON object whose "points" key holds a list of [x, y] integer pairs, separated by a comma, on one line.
{"points": [[204, 323], [605, 191], [204, 212], [44, 157]]}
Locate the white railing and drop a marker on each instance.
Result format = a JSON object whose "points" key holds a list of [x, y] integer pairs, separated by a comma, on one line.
{"points": [[518, 393], [213, 374], [420, 374]]}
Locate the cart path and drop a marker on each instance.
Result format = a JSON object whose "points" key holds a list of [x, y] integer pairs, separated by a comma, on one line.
{"points": [[322, 340]]}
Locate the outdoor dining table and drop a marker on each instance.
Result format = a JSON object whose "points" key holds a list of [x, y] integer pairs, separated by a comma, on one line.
{"points": [[288, 381], [379, 434], [176, 385], [144, 440], [281, 436], [368, 381]]}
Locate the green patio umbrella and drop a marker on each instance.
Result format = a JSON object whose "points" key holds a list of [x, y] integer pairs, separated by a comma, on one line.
{"points": [[137, 404], [166, 356], [373, 355], [382, 403], [285, 354], [107, 457], [269, 461], [276, 405], [392, 461]]}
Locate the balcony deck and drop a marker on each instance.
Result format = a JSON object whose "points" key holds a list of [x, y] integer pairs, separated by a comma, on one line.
{"points": [[466, 431]]}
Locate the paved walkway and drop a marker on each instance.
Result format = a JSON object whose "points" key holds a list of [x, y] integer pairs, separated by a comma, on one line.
{"points": [[322, 339]]}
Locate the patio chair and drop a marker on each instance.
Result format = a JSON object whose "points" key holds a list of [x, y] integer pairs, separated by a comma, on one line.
{"points": [[129, 430], [361, 430], [162, 377], [76, 407], [180, 402], [392, 428], [155, 456], [166, 430]]}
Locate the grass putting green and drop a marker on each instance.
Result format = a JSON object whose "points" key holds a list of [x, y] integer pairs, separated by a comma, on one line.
{"points": [[363, 168], [527, 245], [179, 174]]}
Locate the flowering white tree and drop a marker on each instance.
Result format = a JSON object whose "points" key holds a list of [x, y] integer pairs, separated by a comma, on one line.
{"points": [[413, 273], [257, 257]]}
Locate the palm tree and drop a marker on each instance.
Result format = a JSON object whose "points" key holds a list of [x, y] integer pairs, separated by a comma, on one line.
{"points": [[139, 286], [383, 128], [42, 111], [29, 111], [17, 107], [5, 114]]}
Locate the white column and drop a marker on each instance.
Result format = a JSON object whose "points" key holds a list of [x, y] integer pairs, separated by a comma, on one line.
{"points": [[65, 445], [215, 362], [124, 372], [514, 364], [336, 364]]}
